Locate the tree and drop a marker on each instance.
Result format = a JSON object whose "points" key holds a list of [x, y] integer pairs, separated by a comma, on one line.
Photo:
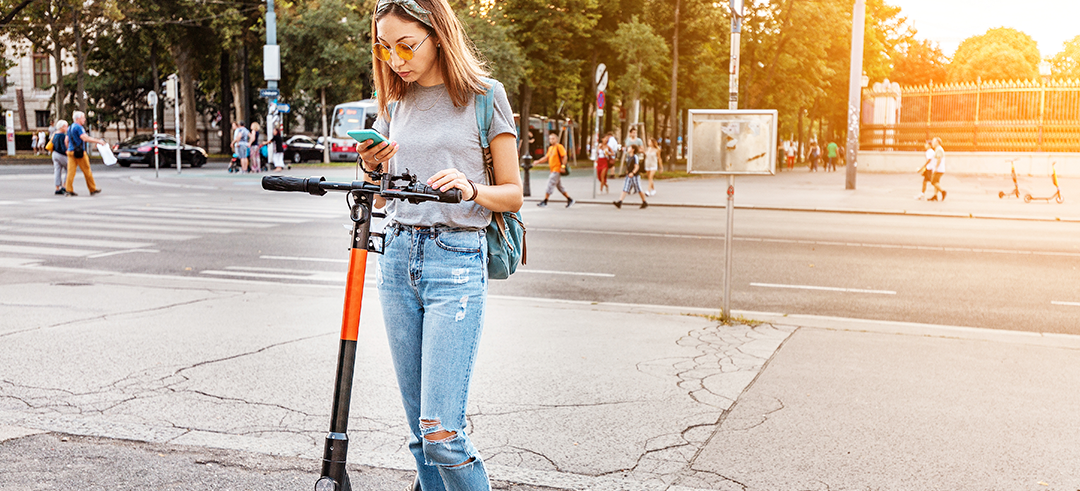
{"points": [[919, 63], [319, 40], [642, 51], [1066, 64], [45, 24], [1000, 54], [489, 30]]}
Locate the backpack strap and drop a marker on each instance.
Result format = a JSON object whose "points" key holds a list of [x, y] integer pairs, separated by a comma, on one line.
{"points": [[485, 111]]}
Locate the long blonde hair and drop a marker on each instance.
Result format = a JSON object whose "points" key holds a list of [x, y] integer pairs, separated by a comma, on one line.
{"points": [[457, 59]]}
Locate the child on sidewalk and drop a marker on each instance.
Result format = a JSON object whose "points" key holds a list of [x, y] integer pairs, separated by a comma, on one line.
{"points": [[632, 184]]}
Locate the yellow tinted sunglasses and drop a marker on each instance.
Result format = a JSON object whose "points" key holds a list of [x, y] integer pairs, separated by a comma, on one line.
{"points": [[404, 51]]}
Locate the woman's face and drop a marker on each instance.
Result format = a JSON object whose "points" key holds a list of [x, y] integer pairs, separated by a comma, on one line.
{"points": [[421, 68]]}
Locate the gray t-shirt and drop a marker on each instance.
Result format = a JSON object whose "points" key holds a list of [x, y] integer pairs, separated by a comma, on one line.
{"points": [[433, 135]]}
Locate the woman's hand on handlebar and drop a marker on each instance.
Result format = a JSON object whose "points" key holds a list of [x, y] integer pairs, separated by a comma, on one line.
{"points": [[448, 179], [379, 154]]}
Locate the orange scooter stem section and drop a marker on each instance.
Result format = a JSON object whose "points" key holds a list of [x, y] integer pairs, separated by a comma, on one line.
{"points": [[354, 294]]}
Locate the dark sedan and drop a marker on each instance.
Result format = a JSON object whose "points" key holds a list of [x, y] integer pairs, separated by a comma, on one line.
{"points": [[140, 150], [301, 148]]}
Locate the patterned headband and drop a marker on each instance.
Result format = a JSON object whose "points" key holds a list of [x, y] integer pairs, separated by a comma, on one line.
{"points": [[414, 9]]}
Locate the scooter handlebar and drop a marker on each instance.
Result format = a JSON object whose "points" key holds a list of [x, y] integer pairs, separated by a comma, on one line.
{"points": [[294, 184]]}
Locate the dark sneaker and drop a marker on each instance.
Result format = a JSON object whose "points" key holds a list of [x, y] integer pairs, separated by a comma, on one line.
{"points": [[933, 199], [542, 204], [644, 205], [96, 191], [618, 204], [69, 193], [60, 192], [570, 203], [943, 193]]}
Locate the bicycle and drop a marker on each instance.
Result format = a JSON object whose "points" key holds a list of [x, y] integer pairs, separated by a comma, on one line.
{"points": [[1057, 194], [360, 197], [1016, 187]]}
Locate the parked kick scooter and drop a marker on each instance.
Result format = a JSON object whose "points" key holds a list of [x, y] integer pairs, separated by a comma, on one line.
{"points": [[361, 197], [1015, 193], [1057, 194]]}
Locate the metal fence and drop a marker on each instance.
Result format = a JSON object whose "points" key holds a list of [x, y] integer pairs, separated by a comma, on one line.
{"points": [[983, 116]]}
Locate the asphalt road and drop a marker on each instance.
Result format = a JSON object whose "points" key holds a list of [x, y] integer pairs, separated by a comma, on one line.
{"points": [[1002, 274]]}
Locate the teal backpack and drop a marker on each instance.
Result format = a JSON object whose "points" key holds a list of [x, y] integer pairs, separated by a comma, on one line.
{"points": [[506, 232]]}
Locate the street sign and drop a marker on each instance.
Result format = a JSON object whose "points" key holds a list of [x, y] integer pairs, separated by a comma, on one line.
{"points": [[600, 100], [283, 108], [151, 99], [269, 93], [601, 77]]}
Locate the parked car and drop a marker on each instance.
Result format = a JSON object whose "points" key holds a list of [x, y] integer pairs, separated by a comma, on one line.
{"points": [[140, 150], [300, 148]]}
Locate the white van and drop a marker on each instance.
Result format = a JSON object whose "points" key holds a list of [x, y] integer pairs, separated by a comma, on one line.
{"points": [[347, 117]]}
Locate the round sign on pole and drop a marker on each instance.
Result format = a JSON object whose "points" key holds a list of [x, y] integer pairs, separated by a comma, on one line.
{"points": [[600, 100], [151, 99], [601, 77]]}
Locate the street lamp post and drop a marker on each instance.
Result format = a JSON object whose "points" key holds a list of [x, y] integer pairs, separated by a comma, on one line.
{"points": [[733, 104], [855, 85]]}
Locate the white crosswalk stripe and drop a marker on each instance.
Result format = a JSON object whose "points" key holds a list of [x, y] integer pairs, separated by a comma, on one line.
{"points": [[125, 226]]}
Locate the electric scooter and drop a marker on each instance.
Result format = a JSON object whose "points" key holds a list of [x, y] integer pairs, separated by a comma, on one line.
{"points": [[1057, 194], [360, 197], [1015, 193]]}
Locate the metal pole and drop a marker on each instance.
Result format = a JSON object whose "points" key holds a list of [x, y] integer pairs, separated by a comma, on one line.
{"points": [[155, 145], [176, 110], [858, 24], [733, 103], [271, 113]]}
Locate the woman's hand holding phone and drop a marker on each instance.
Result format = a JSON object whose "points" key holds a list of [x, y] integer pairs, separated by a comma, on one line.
{"points": [[374, 149]]}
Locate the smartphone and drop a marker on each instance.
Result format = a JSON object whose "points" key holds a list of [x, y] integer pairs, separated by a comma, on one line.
{"points": [[367, 134]]}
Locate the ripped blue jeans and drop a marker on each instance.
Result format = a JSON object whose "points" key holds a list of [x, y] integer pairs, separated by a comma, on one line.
{"points": [[433, 286]]}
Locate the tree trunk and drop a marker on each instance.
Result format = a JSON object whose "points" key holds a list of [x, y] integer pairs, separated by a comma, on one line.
{"points": [[159, 109], [57, 49], [245, 77], [226, 103], [526, 107], [674, 89], [325, 127], [80, 60], [184, 57]]}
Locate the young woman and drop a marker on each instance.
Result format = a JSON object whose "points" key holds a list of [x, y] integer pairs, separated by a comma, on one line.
{"points": [[603, 160], [256, 147], [432, 277], [652, 161]]}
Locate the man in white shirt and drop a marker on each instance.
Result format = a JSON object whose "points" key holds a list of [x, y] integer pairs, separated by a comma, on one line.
{"points": [[927, 169], [939, 169]]}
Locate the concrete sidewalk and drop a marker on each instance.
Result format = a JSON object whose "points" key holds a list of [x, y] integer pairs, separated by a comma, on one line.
{"points": [[567, 395], [968, 195]]}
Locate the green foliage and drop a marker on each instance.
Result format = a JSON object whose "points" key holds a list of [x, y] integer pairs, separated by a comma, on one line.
{"points": [[1000, 54], [1066, 64], [920, 62], [641, 51], [490, 32]]}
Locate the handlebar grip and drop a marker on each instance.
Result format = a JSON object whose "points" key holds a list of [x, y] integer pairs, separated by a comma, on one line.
{"points": [[452, 195], [288, 183]]}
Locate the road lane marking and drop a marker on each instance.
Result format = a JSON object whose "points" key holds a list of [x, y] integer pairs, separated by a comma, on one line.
{"points": [[570, 273], [126, 251], [44, 251], [184, 216], [312, 259], [824, 288], [67, 241], [115, 234], [96, 222], [814, 242], [310, 276], [1067, 304]]}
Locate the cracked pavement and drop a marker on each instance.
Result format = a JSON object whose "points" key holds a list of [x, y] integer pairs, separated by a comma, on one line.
{"points": [[566, 395], [206, 363]]}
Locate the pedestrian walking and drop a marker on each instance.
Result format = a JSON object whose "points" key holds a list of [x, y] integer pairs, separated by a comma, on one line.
{"points": [[927, 169], [256, 147], [652, 162], [34, 143], [939, 170], [815, 155], [789, 153], [832, 152], [432, 277], [556, 160], [43, 139], [78, 155], [632, 183], [279, 150], [59, 156], [241, 143]]}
